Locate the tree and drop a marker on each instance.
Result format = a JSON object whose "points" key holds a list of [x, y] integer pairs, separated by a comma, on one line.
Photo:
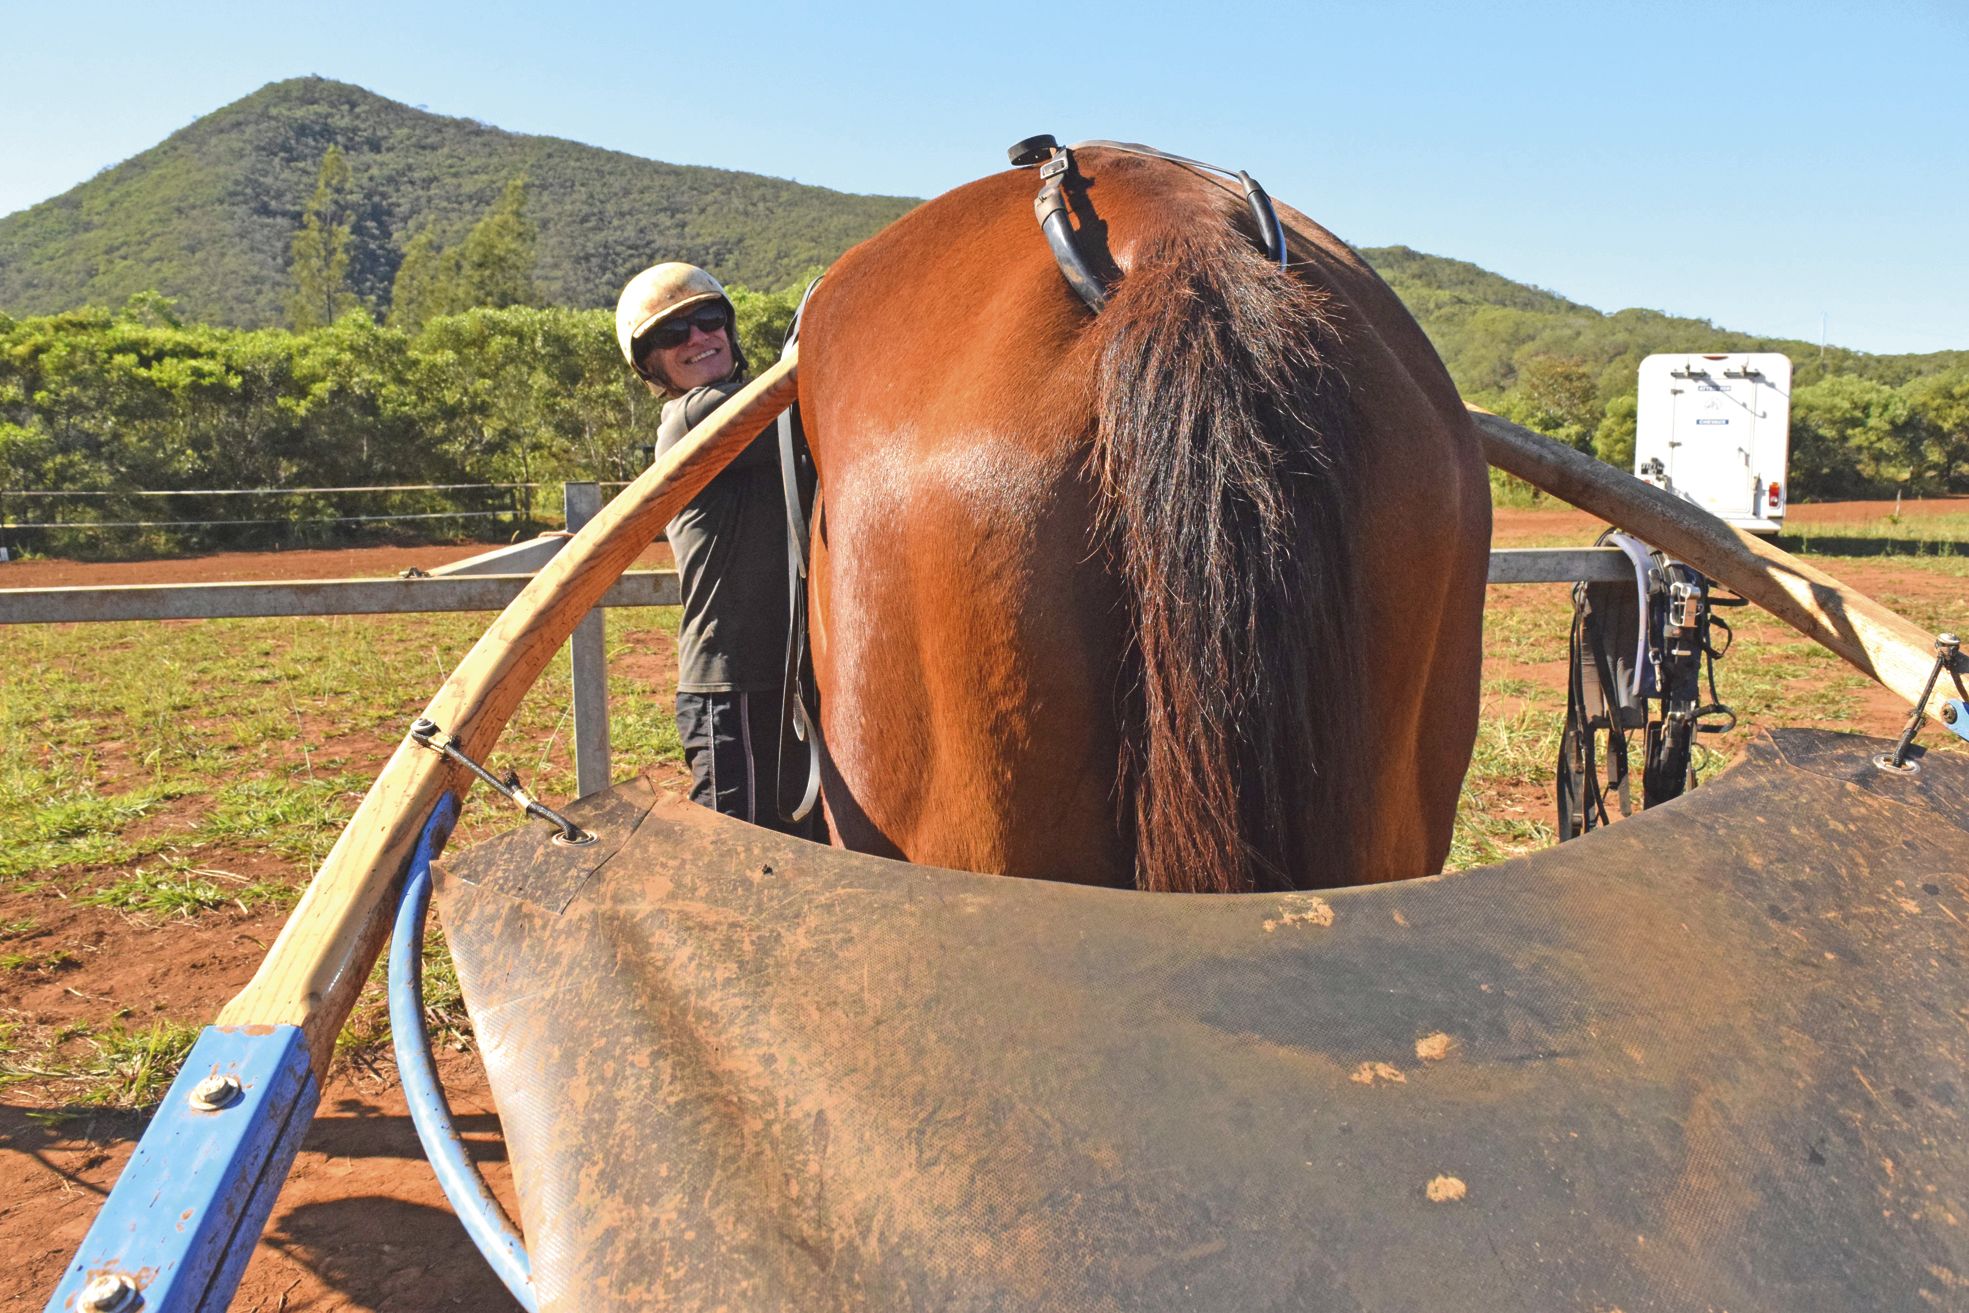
{"points": [[319, 254], [495, 264], [1849, 437], [1613, 440], [1940, 405], [1555, 395], [424, 284]]}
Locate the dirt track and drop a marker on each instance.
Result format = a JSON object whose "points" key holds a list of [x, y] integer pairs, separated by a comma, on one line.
{"points": [[361, 1223]]}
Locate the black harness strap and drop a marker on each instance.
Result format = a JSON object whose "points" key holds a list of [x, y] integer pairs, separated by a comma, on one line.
{"points": [[1654, 641], [793, 712], [1057, 175]]}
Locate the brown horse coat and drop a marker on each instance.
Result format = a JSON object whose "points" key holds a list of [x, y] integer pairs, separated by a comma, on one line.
{"points": [[1187, 595]]}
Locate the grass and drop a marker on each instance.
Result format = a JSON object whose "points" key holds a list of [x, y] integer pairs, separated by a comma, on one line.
{"points": [[1939, 537], [367, 1033], [126, 741], [1494, 819], [57, 817], [143, 766], [187, 892], [53, 959], [112, 1065], [296, 817]]}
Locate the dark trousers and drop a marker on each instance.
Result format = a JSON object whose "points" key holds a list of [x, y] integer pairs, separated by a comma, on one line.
{"points": [[731, 743]]}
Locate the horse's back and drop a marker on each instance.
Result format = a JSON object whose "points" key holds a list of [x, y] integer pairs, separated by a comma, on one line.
{"points": [[975, 633]]}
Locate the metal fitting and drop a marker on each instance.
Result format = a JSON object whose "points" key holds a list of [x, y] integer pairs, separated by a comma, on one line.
{"points": [[216, 1092], [112, 1292]]}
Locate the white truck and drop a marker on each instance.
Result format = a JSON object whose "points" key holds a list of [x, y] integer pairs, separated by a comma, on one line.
{"points": [[1716, 430]]}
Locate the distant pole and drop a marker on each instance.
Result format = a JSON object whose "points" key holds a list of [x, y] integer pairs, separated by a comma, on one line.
{"points": [[1821, 341]]}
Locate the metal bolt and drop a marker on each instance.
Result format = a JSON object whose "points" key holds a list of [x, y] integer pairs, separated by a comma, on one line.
{"points": [[1948, 713], [215, 1092], [112, 1292]]}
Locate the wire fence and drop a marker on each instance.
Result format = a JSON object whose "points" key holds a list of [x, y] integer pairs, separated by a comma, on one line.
{"points": [[260, 492], [121, 521]]}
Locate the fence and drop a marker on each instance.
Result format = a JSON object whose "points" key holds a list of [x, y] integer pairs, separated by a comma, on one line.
{"points": [[119, 518], [489, 581]]}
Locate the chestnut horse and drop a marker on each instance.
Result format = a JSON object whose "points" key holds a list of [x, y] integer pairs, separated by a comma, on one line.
{"points": [[1184, 595]]}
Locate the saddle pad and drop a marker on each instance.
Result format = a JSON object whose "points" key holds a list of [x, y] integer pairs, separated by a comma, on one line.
{"points": [[1714, 1057]]}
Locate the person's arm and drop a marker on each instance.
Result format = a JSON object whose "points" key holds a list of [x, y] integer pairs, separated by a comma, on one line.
{"points": [[761, 453]]}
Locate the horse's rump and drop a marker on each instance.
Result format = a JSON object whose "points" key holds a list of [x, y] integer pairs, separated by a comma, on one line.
{"points": [[1095, 595]]}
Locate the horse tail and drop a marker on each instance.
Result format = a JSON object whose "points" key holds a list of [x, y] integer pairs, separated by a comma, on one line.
{"points": [[1221, 458]]}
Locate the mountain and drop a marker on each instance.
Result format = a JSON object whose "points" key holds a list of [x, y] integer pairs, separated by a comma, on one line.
{"points": [[207, 215], [1487, 328]]}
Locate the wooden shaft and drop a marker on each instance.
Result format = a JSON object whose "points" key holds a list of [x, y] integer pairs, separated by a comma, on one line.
{"points": [[317, 966], [1879, 643]]}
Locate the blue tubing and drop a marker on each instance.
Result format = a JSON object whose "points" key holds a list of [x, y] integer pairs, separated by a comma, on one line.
{"points": [[484, 1218]]}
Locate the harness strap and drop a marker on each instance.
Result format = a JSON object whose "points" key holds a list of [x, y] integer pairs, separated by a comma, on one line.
{"points": [[1674, 650], [1051, 208], [1254, 195], [1057, 173], [793, 703]]}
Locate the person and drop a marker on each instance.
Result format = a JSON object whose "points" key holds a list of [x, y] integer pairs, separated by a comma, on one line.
{"points": [[677, 330]]}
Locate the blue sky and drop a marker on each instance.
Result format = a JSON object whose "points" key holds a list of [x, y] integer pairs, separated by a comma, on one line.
{"points": [[1758, 165]]}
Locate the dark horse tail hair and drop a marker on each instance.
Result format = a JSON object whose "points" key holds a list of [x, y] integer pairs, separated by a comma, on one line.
{"points": [[1221, 458]]}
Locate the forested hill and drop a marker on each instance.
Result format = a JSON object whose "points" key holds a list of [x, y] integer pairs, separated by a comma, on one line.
{"points": [[1488, 329], [208, 216], [211, 215]]}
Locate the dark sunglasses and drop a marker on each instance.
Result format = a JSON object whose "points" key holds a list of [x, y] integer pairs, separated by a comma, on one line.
{"points": [[677, 331]]}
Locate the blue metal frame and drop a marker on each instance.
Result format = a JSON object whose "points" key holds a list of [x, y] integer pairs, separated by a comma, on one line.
{"points": [[484, 1218], [189, 1206], [1960, 725], [187, 1211]]}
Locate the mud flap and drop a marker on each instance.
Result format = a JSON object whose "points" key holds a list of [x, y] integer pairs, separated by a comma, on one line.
{"points": [[1713, 1056]]}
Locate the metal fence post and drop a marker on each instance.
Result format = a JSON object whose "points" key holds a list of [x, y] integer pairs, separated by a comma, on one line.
{"points": [[589, 655]]}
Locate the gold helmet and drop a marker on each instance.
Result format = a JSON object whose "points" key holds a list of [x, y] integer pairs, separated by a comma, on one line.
{"points": [[657, 293]]}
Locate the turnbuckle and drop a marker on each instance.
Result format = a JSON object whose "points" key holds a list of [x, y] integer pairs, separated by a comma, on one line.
{"points": [[1955, 712], [426, 732]]}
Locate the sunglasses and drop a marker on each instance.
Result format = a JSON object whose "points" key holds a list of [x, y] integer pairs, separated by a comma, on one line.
{"points": [[677, 331]]}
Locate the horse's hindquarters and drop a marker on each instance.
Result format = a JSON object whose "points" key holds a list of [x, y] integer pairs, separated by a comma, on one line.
{"points": [[966, 653], [1187, 594]]}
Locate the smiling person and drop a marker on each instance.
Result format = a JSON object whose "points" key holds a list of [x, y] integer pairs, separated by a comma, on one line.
{"points": [[675, 326]]}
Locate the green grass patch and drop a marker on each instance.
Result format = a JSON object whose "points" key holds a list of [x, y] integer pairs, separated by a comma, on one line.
{"points": [[295, 817], [110, 1066], [1944, 536], [53, 959], [367, 1032], [188, 892], [55, 819], [131, 742], [1510, 753]]}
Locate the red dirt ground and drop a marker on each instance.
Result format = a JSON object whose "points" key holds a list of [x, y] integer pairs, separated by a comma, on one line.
{"points": [[361, 1223]]}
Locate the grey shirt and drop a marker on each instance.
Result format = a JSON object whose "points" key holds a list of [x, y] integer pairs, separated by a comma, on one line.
{"points": [[730, 544]]}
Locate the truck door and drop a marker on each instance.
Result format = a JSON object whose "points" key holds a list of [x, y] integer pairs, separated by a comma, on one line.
{"points": [[1711, 444]]}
